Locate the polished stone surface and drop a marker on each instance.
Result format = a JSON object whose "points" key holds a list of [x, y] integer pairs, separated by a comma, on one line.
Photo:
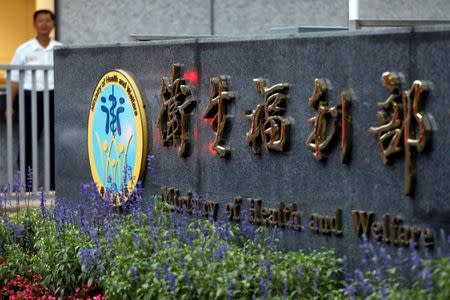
{"points": [[348, 59]]}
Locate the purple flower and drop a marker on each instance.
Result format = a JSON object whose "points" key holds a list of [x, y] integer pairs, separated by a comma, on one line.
{"points": [[222, 229], [448, 244], [350, 291], [220, 253], [150, 215], [368, 252], [42, 210], [262, 287], [172, 279], [230, 292], [84, 224], [158, 273], [201, 253], [89, 259], [137, 216], [299, 274], [29, 183], [94, 236], [151, 164], [3, 197], [184, 218], [286, 288], [18, 188], [136, 240], [442, 235], [186, 277], [369, 289], [190, 238], [359, 275], [166, 267], [140, 190], [246, 229], [110, 233], [17, 231], [383, 256], [426, 277], [416, 260], [134, 275], [205, 230], [399, 257], [62, 215], [384, 293], [85, 191], [268, 271]]}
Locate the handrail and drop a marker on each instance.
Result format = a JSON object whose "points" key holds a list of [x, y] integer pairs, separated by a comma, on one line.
{"points": [[22, 70], [26, 67]]}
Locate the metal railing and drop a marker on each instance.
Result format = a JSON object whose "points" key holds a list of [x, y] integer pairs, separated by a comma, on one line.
{"points": [[10, 156]]}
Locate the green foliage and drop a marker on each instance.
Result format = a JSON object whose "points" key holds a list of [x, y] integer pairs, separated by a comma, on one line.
{"points": [[52, 254], [195, 261], [56, 258], [431, 280], [17, 236], [150, 252], [18, 262], [441, 278]]}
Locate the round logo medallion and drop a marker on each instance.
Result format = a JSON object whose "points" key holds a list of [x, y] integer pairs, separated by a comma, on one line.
{"points": [[117, 134]]}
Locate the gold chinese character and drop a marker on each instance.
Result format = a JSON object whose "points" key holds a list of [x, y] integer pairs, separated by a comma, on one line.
{"points": [[177, 104], [219, 97], [268, 127], [405, 118], [323, 132]]}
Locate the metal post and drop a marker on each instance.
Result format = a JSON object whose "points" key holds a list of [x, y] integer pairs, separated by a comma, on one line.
{"points": [[9, 132], [353, 15], [22, 126], [211, 17], [46, 133], [34, 131], [354, 24], [23, 105]]}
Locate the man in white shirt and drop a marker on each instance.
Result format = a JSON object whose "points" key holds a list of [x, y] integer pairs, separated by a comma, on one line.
{"points": [[37, 51]]}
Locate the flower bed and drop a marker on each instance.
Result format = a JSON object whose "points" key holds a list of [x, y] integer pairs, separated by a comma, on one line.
{"points": [[145, 251]]}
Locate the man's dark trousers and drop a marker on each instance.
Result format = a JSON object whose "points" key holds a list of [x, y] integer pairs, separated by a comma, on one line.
{"points": [[40, 124]]}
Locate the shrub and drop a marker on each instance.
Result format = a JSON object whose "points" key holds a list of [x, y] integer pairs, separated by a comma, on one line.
{"points": [[145, 249]]}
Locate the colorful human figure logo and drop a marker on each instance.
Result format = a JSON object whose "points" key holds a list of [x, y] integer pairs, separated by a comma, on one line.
{"points": [[114, 122], [117, 134]]}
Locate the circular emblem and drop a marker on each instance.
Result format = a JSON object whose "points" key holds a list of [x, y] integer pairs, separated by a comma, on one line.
{"points": [[117, 134]]}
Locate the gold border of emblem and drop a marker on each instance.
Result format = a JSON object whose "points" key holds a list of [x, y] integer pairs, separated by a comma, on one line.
{"points": [[140, 122]]}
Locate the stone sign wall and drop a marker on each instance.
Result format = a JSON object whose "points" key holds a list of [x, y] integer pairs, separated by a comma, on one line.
{"points": [[328, 136]]}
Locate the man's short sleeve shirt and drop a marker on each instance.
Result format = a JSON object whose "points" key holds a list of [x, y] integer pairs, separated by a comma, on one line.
{"points": [[32, 53]]}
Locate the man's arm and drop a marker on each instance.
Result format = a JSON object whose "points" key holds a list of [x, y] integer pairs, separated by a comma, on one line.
{"points": [[14, 92], [16, 60]]}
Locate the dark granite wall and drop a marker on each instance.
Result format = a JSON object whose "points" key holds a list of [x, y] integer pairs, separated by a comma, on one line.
{"points": [[351, 59]]}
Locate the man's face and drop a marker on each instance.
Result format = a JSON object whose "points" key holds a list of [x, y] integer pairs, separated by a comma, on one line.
{"points": [[44, 24]]}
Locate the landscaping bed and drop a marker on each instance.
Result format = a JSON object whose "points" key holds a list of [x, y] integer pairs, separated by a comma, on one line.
{"points": [[145, 250]]}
